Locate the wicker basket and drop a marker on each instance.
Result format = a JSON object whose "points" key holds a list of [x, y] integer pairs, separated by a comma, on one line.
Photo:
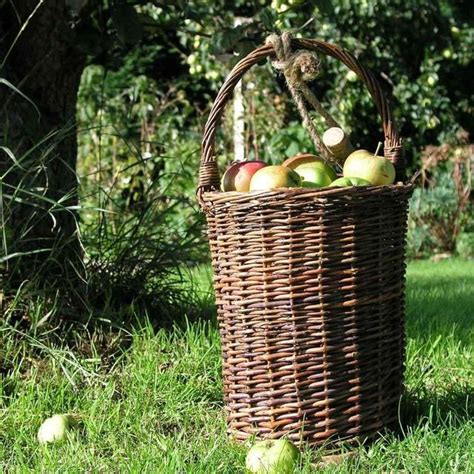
{"points": [[310, 292]]}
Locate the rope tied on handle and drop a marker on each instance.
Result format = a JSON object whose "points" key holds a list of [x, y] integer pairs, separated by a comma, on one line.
{"points": [[300, 67]]}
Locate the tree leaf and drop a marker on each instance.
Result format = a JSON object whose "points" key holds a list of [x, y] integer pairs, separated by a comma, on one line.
{"points": [[325, 7], [226, 40], [268, 19], [148, 23]]}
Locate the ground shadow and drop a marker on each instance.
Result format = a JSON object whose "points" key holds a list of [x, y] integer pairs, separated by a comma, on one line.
{"points": [[439, 307], [454, 408]]}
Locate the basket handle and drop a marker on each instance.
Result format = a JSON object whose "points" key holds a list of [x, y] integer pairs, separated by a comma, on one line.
{"points": [[209, 172]]}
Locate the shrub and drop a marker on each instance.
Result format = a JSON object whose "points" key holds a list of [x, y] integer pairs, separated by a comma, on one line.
{"points": [[440, 208], [465, 245]]}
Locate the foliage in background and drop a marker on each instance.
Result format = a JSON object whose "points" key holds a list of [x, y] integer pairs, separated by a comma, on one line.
{"points": [[153, 119], [138, 220], [420, 50], [441, 207]]}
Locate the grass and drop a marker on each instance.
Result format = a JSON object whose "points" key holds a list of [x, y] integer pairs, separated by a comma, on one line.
{"points": [[157, 405]]}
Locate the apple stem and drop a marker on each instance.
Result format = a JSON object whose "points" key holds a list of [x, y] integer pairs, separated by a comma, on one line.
{"points": [[378, 148]]}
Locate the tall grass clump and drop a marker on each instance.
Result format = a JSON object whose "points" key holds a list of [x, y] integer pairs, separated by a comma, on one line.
{"points": [[140, 223]]}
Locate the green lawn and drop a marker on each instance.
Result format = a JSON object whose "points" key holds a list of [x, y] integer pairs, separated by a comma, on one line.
{"points": [[157, 407]]}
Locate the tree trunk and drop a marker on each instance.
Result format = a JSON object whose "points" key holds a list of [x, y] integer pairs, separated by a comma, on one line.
{"points": [[40, 189]]}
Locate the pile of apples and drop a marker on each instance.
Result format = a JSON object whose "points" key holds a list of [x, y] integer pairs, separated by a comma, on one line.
{"points": [[361, 168]]}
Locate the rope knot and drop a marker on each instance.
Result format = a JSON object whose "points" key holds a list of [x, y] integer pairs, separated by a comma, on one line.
{"points": [[297, 66], [305, 66], [300, 67]]}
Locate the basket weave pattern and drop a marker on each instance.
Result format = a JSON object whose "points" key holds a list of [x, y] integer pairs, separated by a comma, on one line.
{"points": [[310, 293]]}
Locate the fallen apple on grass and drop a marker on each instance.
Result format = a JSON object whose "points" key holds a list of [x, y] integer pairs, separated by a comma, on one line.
{"points": [[278, 456], [343, 182], [272, 177], [55, 428], [238, 175], [371, 167]]}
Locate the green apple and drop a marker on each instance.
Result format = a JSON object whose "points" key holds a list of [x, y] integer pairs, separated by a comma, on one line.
{"points": [[455, 31], [304, 159], [272, 177], [433, 122], [375, 169], [447, 53], [351, 76], [431, 80], [313, 176], [54, 429], [272, 457], [238, 175], [343, 182]]}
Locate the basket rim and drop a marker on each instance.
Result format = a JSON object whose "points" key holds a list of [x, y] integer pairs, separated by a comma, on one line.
{"points": [[228, 197]]}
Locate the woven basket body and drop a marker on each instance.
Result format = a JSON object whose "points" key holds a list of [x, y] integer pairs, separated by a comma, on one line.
{"points": [[310, 294]]}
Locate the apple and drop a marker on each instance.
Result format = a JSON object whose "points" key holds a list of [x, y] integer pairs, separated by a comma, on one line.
{"points": [[272, 177], [342, 182], [303, 159], [455, 31], [238, 175], [313, 176], [351, 76], [433, 122], [272, 457], [447, 53], [431, 80], [375, 169], [54, 429]]}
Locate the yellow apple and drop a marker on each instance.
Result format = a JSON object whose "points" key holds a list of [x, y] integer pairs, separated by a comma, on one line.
{"points": [[375, 169], [272, 177]]}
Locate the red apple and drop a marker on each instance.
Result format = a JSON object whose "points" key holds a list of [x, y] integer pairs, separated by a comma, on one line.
{"points": [[238, 175]]}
